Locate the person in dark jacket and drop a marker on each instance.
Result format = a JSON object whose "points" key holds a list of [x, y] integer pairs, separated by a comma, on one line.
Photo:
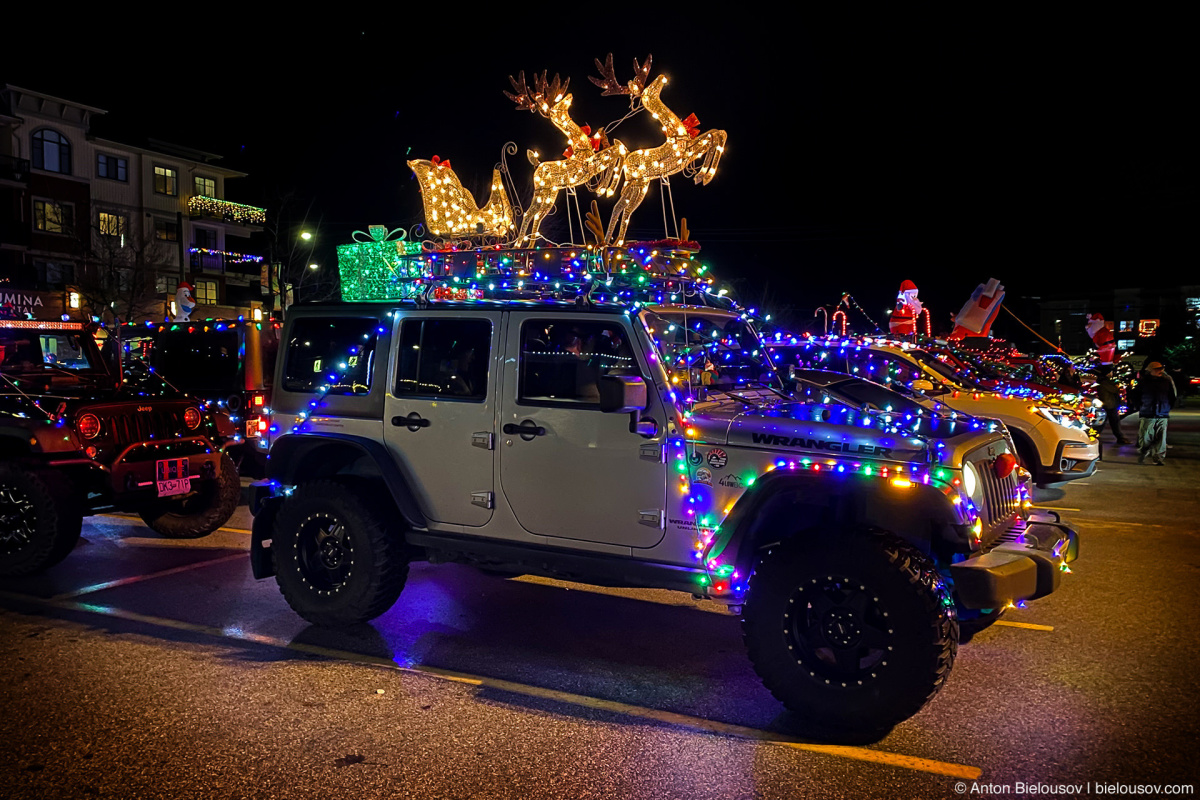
{"points": [[1157, 392], [1110, 397]]}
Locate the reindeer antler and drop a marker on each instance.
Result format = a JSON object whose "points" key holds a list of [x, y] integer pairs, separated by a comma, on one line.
{"points": [[543, 95], [608, 78]]}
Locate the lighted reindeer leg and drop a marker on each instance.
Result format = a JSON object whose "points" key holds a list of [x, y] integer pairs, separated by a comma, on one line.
{"points": [[582, 164], [683, 146]]}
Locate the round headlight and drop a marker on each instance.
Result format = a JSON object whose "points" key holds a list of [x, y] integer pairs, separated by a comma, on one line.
{"points": [[970, 479], [191, 418], [88, 426]]}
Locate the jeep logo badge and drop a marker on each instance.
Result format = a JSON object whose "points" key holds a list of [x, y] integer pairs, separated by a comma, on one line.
{"points": [[143, 409]]}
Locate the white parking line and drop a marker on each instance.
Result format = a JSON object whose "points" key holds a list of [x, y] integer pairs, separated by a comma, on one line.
{"points": [[99, 587]]}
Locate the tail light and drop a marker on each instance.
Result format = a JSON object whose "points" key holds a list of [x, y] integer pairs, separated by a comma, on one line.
{"points": [[191, 418], [256, 427], [257, 401], [88, 426]]}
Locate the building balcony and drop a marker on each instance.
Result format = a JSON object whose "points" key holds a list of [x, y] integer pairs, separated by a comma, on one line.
{"points": [[201, 207], [14, 169], [206, 260]]}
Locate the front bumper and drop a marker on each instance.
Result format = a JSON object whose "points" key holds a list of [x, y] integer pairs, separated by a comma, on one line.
{"points": [[133, 472], [1027, 562], [1072, 461]]}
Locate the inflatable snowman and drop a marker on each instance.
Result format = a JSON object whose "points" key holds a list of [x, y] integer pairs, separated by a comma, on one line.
{"points": [[184, 304]]}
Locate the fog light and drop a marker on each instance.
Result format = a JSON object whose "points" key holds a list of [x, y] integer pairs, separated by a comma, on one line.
{"points": [[91, 451]]}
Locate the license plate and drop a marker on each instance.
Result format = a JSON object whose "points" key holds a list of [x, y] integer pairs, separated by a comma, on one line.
{"points": [[172, 477]]}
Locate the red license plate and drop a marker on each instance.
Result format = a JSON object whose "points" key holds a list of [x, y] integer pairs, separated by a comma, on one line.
{"points": [[171, 475]]}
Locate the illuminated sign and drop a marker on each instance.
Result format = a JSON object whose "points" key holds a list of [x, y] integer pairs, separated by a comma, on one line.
{"points": [[1147, 328]]}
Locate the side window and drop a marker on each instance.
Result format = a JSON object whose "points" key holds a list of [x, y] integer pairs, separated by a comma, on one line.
{"points": [[444, 359], [338, 353], [562, 360]]}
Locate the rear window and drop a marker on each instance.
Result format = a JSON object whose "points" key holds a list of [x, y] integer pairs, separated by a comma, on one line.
{"points": [[199, 362], [336, 353]]}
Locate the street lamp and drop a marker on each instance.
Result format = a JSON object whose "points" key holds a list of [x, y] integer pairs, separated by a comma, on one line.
{"points": [[313, 266], [305, 235]]}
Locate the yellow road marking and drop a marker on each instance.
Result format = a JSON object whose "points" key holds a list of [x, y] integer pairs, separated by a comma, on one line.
{"points": [[1055, 508], [99, 587], [682, 720], [246, 531], [1027, 625]]}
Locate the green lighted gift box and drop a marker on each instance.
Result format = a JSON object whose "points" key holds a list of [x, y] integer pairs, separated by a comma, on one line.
{"points": [[379, 266]]}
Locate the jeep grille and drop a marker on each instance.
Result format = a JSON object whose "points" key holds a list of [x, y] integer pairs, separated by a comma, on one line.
{"points": [[999, 496], [124, 428]]}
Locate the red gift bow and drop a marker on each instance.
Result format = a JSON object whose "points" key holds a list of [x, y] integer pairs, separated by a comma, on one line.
{"points": [[437, 162], [693, 125]]}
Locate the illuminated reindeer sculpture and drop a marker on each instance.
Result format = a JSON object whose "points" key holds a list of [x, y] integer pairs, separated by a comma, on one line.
{"points": [[588, 159], [684, 146]]}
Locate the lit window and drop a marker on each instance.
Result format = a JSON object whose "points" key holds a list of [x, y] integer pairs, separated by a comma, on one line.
{"points": [[112, 224], [206, 293], [54, 217], [206, 186], [166, 181]]}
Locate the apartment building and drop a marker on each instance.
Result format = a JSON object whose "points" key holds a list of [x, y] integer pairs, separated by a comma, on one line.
{"points": [[90, 226]]}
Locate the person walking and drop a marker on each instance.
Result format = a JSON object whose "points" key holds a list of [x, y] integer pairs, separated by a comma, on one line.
{"points": [[1110, 397], [1157, 392]]}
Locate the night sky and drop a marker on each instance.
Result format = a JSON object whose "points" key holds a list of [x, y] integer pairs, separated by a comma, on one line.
{"points": [[1050, 152]]}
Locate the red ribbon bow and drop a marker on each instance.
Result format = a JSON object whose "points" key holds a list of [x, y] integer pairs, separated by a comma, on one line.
{"points": [[693, 125], [437, 162]]}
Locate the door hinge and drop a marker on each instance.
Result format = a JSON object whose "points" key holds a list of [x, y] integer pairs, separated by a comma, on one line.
{"points": [[483, 439], [652, 452], [481, 499], [652, 517]]}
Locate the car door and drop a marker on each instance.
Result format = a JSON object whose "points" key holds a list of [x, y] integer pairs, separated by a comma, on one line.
{"points": [[440, 412], [567, 469]]}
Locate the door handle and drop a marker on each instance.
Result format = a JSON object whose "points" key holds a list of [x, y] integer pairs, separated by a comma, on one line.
{"points": [[413, 422], [526, 430]]}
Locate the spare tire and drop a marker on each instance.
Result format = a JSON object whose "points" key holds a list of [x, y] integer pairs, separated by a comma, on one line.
{"points": [[201, 512]]}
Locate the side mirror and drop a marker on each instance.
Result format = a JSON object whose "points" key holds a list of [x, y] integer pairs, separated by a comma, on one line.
{"points": [[920, 385], [622, 394]]}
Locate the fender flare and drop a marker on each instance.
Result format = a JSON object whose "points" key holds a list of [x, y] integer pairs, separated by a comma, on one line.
{"points": [[289, 452], [921, 515]]}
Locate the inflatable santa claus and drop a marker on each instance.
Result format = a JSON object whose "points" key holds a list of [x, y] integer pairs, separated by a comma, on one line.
{"points": [[908, 308], [1102, 337]]}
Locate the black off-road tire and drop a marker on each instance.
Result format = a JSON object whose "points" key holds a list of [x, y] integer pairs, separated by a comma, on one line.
{"points": [[201, 513], [338, 561], [40, 522], [854, 632]]}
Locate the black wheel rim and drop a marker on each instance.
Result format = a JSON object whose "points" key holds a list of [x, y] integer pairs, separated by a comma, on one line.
{"points": [[18, 520], [838, 630], [324, 553]]}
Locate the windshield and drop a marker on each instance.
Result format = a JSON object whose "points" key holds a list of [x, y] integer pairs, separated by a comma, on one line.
{"points": [[945, 370], [717, 351], [872, 395], [28, 351]]}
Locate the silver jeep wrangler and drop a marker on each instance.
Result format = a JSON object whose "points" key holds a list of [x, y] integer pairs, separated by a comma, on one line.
{"points": [[622, 444]]}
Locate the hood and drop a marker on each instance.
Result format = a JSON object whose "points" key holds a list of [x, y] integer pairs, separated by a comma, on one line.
{"points": [[814, 429]]}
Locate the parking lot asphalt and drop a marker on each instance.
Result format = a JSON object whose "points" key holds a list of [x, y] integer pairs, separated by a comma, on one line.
{"points": [[142, 667]]}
